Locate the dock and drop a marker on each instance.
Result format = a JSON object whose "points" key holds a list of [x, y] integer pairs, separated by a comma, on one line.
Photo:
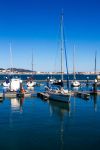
{"points": [[1, 97], [95, 92], [14, 95], [43, 95], [82, 94]]}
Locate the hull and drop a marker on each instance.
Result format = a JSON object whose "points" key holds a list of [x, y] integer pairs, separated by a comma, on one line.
{"points": [[59, 97], [98, 83], [15, 84], [31, 84], [58, 83], [75, 84], [15, 94], [6, 84]]}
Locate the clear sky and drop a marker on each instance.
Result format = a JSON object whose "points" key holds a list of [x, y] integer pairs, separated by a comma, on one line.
{"points": [[33, 25]]}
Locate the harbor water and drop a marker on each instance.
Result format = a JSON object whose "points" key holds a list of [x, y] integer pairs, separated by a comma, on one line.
{"points": [[44, 76], [32, 123]]}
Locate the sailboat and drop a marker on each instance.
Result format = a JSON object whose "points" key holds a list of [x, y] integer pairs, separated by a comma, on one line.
{"points": [[30, 82], [6, 83], [97, 80], [14, 83], [74, 83], [61, 94]]}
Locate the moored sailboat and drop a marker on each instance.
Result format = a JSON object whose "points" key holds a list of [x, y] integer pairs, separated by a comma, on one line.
{"points": [[6, 83], [95, 71], [74, 83], [60, 94], [12, 83], [30, 81]]}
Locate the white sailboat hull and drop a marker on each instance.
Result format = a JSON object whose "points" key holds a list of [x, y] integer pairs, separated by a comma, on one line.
{"points": [[5, 84], [59, 97], [31, 84], [60, 94], [75, 84]]}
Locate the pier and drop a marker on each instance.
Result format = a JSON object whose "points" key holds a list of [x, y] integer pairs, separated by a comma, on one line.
{"points": [[83, 95], [43, 95], [15, 94]]}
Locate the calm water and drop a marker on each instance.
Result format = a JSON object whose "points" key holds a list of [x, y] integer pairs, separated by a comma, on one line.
{"points": [[44, 77], [32, 123]]}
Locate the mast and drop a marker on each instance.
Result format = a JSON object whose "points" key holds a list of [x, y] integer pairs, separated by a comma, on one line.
{"points": [[32, 63], [95, 62], [74, 64], [62, 46], [11, 62], [65, 51]]}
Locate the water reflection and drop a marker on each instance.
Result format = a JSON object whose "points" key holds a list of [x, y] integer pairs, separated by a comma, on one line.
{"points": [[1, 100], [61, 110], [30, 88], [16, 104], [74, 103], [75, 88], [94, 97]]}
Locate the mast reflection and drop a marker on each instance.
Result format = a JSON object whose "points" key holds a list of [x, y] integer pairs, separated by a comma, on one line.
{"points": [[95, 102], [61, 110]]}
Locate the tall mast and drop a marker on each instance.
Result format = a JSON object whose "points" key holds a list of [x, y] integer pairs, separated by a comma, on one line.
{"points": [[32, 62], [62, 45], [74, 63], [11, 62], [95, 62]]}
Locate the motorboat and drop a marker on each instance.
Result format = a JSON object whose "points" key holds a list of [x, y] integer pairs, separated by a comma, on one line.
{"points": [[15, 84]]}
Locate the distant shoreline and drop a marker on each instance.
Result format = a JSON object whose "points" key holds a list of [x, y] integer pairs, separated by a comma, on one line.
{"points": [[43, 77], [51, 74], [46, 80]]}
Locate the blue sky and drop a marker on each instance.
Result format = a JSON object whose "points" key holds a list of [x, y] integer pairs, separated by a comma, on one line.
{"points": [[33, 25]]}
